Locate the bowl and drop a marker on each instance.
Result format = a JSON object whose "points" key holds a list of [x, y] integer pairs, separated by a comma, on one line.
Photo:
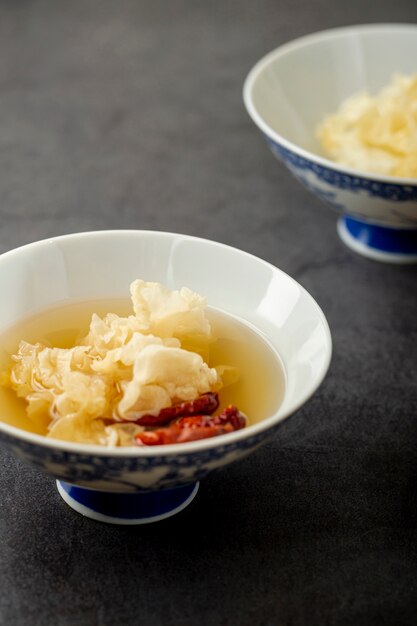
{"points": [[290, 91], [143, 484]]}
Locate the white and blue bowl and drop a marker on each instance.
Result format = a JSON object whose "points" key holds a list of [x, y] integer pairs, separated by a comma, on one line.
{"points": [[137, 484], [290, 91]]}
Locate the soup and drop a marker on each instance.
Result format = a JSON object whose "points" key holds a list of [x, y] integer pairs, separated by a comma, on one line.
{"points": [[234, 346]]}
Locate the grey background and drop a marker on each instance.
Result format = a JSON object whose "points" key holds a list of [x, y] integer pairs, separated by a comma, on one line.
{"points": [[129, 115]]}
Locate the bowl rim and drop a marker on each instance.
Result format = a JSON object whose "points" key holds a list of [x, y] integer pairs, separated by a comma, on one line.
{"points": [[172, 449], [288, 48]]}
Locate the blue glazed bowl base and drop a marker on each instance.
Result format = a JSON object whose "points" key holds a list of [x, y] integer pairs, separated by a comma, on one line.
{"points": [[143, 507], [390, 245]]}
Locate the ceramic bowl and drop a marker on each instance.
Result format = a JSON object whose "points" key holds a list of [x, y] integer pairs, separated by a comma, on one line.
{"points": [[138, 485], [290, 91]]}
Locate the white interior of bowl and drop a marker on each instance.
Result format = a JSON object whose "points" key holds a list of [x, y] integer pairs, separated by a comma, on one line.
{"points": [[291, 89], [103, 264]]}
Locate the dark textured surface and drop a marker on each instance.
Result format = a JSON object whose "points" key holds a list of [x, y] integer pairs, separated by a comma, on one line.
{"points": [[129, 115]]}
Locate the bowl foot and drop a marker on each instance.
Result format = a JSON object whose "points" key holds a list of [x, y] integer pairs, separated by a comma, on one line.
{"points": [[141, 507], [390, 245]]}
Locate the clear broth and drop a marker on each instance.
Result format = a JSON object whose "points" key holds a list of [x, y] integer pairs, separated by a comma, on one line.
{"points": [[258, 392]]}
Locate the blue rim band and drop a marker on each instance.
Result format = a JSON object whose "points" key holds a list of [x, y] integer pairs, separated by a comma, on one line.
{"points": [[390, 240]]}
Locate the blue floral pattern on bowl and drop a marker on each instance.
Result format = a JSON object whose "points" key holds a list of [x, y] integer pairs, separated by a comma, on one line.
{"points": [[379, 219], [377, 189], [131, 473]]}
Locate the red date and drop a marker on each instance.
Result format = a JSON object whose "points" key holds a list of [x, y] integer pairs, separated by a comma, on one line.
{"points": [[206, 403], [176, 434], [230, 415], [194, 427]]}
